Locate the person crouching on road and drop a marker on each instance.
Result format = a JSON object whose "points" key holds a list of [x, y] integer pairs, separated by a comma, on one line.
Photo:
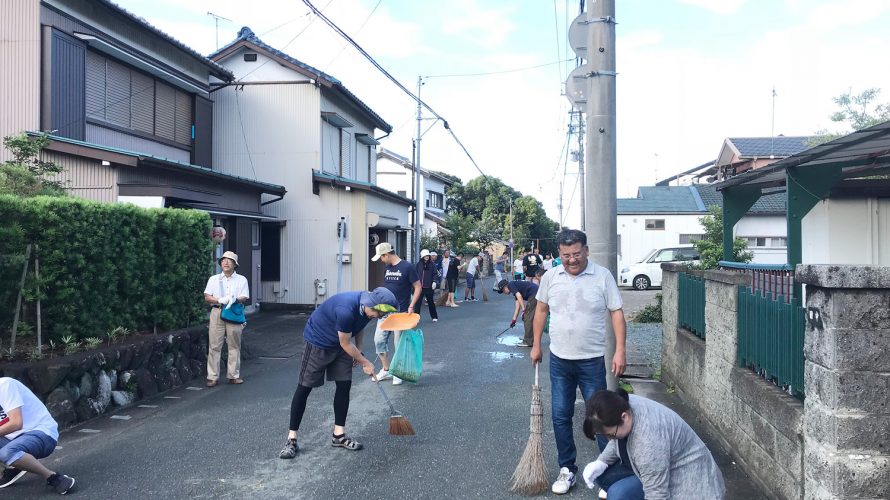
{"points": [[667, 458], [524, 292], [27, 433], [429, 276], [332, 335]]}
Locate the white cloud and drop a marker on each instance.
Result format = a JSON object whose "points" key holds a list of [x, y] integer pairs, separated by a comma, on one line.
{"points": [[722, 7], [469, 19]]}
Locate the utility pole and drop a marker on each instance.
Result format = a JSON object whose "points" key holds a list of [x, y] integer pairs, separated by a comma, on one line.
{"points": [[581, 181], [216, 19], [417, 194], [601, 182], [512, 243]]}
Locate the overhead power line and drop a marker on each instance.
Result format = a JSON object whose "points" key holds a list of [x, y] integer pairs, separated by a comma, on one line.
{"points": [[393, 80], [513, 70]]}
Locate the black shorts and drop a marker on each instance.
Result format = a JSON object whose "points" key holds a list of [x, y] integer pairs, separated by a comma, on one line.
{"points": [[451, 284], [318, 361]]}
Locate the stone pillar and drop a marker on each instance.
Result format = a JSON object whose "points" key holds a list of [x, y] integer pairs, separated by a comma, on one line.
{"points": [[721, 356], [847, 381], [669, 299]]}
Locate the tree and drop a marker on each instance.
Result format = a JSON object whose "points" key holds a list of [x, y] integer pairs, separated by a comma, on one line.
{"points": [[710, 247], [429, 240], [26, 174], [857, 111], [487, 231], [462, 228]]}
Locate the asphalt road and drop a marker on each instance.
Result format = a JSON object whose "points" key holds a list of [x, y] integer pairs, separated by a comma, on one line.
{"points": [[470, 411]]}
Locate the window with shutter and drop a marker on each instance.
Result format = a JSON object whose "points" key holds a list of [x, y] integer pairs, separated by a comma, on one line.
{"points": [[117, 98], [165, 111], [183, 125], [95, 85], [142, 113]]}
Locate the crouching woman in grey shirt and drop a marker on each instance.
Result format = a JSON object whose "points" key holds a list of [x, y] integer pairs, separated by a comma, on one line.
{"points": [[664, 452]]}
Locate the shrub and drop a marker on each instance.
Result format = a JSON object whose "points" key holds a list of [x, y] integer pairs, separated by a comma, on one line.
{"points": [[651, 313], [104, 265]]}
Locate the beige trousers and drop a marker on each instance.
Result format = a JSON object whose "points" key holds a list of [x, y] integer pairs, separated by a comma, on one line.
{"points": [[231, 333]]}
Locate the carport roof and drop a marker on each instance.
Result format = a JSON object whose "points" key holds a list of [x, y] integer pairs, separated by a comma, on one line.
{"points": [[862, 153]]}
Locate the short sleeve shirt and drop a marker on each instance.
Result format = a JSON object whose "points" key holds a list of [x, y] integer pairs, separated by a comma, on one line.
{"points": [[517, 266], [399, 279], [472, 266], [579, 307], [220, 286], [526, 289], [531, 263], [340, 313], [35, 417]]}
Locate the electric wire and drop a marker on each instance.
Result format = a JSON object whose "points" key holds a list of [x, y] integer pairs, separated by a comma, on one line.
{"points": [[556, 31], [244, 133], [513, 70], [394, 81], [356, 33]]}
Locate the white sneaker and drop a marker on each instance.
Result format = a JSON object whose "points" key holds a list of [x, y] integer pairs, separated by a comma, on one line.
{"points": [[602, 494], [435, 320], [564, 482], [396, 381], [383, 375]]}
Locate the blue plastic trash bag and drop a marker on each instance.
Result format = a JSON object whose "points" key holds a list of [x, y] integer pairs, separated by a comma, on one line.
{"points": [[407, 362]]}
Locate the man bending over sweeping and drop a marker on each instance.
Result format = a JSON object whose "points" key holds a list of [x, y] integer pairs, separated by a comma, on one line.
{"points": [[524, 292], [332, 335]]}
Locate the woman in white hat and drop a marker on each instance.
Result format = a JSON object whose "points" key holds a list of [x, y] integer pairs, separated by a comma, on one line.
{"points": [[426, 270]]}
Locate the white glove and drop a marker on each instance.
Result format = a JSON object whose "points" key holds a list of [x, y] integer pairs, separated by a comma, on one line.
{"points": [[434, 285], [231, 301], [223, 300], [592, 471]]}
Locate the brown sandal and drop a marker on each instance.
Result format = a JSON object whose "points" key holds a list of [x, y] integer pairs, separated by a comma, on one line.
{"points": [[236, 381], [211, 383]]}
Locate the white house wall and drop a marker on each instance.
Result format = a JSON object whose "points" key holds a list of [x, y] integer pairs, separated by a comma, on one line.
{"points": [[753, 226], [847, 231], [19, 49], [637, 242]]}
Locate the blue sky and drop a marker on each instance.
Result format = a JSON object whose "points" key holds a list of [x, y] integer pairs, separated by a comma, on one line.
{"points": [[691, 72]]}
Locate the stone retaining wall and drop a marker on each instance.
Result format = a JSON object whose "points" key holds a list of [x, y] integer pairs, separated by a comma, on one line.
{"points": [[85, 385], [757, 421]]}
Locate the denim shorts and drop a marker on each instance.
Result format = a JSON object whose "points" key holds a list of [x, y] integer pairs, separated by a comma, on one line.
{"points": [[381, 338], [471, 281], [34, 443]]}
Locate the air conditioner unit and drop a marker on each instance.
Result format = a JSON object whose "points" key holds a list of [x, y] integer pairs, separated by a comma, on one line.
{"points": [[373, 239]]}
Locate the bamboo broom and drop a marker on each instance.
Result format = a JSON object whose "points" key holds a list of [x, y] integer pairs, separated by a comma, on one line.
{"points": [[530, 476]]}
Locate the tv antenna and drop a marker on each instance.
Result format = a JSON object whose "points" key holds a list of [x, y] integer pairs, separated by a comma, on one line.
{"points": [[216, 19]]}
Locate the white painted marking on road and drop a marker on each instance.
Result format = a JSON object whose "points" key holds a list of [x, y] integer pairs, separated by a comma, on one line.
{"points": [[148, 406], [121, 417], [58, 447], [190, 388], [172, 397], [89, 431], [273, 357]]}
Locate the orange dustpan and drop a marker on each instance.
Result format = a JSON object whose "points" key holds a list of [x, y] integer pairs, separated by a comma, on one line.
{"points": [[400, 321]]}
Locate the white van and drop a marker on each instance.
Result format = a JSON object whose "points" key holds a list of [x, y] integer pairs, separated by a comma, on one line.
{"points": [[647, 272]]}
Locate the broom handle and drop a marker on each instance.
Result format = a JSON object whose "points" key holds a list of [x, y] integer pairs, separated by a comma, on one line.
{"points": [[392, 409], [536, 374]]}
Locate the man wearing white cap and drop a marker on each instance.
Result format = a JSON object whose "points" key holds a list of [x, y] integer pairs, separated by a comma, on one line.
{"points": [[224, 290], [400, 277]]}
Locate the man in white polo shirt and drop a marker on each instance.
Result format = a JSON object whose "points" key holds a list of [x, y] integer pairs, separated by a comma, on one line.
{"points": [[579, 296], [224, 290]]}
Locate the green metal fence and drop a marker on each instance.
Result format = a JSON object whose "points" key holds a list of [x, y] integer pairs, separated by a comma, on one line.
{"points": [[770, 342], [692, 304]]}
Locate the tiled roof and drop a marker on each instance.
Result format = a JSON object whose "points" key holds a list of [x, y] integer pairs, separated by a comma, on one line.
{"points": [[218, 70], [763, 147], [693, 199], [247, 35]]}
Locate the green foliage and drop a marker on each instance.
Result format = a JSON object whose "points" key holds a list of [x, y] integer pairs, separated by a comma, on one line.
{"points": [[26, 174], [858, 111], [651, 313], [462, 228], [623, 384], [711, 245], [429, 241], [486, 200], [104, 266]]}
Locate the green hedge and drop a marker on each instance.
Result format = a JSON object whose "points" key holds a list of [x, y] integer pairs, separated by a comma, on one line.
{"points": [[105, 265]]}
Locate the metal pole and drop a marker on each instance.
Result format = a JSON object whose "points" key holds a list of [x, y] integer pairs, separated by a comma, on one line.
{"points": [[341, 234], [601, 182], [417, 194], [582, 181], [512, 243]]}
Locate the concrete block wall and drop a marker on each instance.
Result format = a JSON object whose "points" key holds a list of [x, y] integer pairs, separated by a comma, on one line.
{"points": [[758, 422], [847, 380]]}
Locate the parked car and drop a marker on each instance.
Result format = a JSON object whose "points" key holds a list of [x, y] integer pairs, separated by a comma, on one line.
{"points": [[647, 272]]}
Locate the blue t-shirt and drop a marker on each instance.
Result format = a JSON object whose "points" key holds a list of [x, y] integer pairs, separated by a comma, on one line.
{"points": [[340, 313], [399, 279], [525, 288]]}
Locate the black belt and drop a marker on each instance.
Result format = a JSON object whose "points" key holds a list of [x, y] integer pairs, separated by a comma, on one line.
{"points": [[217, 306]]}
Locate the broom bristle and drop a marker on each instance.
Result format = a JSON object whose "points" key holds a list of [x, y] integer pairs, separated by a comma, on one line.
{"points": [[442, 299], [530, 476], [400, 426], [484, 294]]}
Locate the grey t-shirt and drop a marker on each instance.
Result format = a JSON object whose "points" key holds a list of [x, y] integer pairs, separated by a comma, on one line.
{"points": [[579, 308]]}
